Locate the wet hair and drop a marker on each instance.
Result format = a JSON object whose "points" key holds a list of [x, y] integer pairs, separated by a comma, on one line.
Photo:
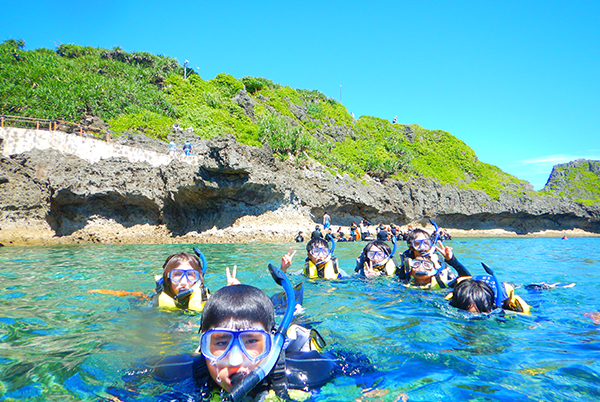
{"points": [[318, 242], [471, 293], [413, 235], [238, 307], [174, 261], [380, 245]]}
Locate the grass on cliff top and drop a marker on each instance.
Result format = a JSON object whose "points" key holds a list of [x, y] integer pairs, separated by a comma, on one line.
{"points": [[147, 93]]}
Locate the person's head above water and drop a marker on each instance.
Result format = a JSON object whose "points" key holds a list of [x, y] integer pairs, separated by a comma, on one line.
{"points": [[474, 296], [181, 271], [318, 250], [419, 241], [237, 331], [377, 252]]}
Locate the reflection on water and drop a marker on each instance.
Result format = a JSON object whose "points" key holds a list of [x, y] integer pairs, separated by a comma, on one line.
{"points": [[59, 341]]}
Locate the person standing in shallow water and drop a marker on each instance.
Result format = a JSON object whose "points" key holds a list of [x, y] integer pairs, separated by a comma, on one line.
{"points": [[326, 220]]}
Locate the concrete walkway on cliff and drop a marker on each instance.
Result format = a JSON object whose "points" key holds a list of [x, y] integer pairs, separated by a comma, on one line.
{"points": [[18, 140]]}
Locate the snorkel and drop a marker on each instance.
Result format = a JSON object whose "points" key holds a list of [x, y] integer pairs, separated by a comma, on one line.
{"points": [[499, 290], [246, 384], [436, 234], [332, 248], [202, 259]]}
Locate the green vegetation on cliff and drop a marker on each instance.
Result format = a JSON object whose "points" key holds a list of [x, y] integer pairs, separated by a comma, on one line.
{"points": [[578, 180], [145, 93]]}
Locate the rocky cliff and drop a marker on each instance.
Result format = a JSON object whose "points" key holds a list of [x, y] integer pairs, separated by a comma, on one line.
{"points": [[232, 180], [577, 180]]}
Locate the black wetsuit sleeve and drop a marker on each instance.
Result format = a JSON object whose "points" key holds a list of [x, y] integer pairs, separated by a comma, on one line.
{"points": [[308, 369], [457, 265], [176, 368], [400, 271], [360, 263]]}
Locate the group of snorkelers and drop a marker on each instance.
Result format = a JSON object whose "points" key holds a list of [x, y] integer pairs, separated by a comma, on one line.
{"points": [[243, 353], [391, 232]]}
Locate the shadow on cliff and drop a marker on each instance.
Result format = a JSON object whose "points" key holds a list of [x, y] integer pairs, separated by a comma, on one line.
{"points": [[212, 202], [69, 213], [202, 208]]}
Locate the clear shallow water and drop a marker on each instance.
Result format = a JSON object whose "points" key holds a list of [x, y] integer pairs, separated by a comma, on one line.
{"points": [[59, 342]]}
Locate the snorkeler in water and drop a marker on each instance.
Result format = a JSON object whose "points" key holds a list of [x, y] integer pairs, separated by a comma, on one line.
{"points": [[181, 285], [320, 262], [376, 259], [243, 354], [421, 266], [484, 293]]}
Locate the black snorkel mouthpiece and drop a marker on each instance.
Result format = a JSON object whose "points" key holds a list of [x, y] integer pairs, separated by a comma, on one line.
{"points": [[247, 383], [236, 378]]}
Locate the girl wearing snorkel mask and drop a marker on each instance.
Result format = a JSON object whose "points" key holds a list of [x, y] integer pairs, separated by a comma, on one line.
{"points": [[320, 263], [376, 259], [181, 285], [423, 268]]}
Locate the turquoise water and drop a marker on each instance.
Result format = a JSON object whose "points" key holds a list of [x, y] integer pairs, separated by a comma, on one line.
{"points": [[59, 342]]}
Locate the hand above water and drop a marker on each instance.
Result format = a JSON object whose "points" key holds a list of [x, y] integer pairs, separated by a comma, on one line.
{"points": [[368, 270], [231, 279], [445, 251], [286, 260]]}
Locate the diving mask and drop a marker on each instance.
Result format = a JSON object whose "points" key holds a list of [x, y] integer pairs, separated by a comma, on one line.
{"points": [[376, 255], [422, 267], [319, 252], [216, 344], [191, 275], [422, 244]]}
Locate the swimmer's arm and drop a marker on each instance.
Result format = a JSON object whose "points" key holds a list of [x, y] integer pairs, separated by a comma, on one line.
{"points": [[457, 265]]}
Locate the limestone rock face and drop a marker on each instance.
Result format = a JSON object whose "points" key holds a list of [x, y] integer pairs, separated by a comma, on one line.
{"points": [[232, 180], [579, 179]]}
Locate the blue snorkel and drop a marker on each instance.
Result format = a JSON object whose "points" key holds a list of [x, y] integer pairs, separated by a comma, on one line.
{"points": [[202, 259], [332, 248], [436, 232], [499, 291], [246, 384]]}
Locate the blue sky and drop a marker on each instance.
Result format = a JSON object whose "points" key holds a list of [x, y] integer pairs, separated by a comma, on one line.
{"points": [[517, 81]]}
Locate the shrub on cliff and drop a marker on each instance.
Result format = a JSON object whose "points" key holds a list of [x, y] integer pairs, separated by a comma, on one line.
{"points": [[143, 92], [45, 84]]}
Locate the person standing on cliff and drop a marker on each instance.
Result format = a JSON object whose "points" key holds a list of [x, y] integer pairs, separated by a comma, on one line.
{"points": [[187, 148], [326, 220]]}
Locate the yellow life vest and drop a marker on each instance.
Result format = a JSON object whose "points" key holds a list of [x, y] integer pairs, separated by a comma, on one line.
{"points": [[195, 303], [328, 270]]}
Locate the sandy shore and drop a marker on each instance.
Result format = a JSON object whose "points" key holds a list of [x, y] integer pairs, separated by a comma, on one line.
{"points": [[271, 227]]}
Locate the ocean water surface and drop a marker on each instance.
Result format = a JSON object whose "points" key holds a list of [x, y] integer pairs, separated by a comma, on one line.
{"points": [[60, 342]]}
